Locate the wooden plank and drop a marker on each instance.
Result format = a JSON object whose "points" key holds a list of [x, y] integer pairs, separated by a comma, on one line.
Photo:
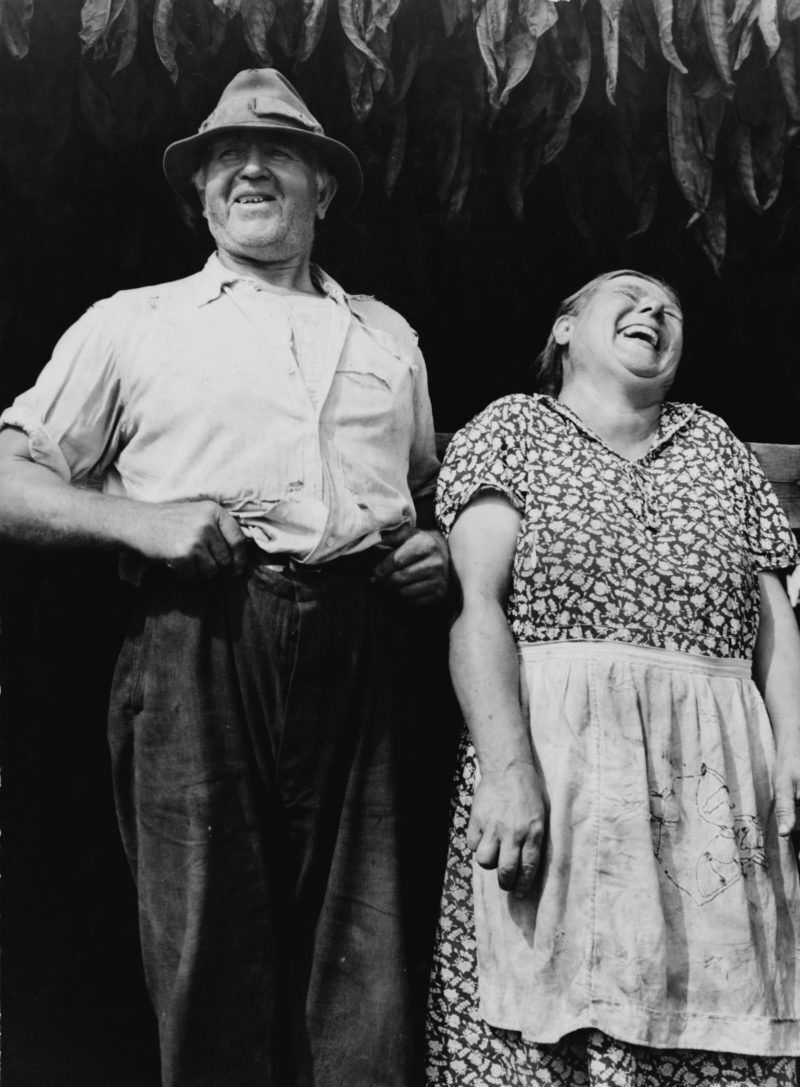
{"points": [[781, 464]]}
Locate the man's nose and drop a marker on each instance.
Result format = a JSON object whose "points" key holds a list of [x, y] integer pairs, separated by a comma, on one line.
{"points": [[255, 163]]}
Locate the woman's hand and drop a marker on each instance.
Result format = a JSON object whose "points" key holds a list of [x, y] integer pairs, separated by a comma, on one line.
{"points": [[776, 670], [787, 785], [507, 825]]}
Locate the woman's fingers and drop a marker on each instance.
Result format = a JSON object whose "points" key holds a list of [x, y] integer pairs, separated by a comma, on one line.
{"points": [[785, 793]]}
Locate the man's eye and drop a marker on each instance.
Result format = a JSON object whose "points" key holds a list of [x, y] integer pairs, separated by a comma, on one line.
{"points": [[228, 154]]}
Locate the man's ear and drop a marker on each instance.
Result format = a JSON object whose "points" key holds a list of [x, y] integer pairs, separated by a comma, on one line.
{"points": [[199, 182], [327, 191], [562, 330]]}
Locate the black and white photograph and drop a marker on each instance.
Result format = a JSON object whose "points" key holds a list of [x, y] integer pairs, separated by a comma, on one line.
{"points": [[399, 543]]}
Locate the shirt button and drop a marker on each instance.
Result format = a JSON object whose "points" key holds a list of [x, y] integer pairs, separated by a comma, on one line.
{"points": [[292, 370]]}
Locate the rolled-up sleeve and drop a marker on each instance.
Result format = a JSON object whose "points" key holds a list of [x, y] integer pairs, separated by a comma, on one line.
{"points": [[71, 416]]}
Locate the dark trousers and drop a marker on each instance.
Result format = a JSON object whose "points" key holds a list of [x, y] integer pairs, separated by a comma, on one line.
{"points": [[253, 728]]}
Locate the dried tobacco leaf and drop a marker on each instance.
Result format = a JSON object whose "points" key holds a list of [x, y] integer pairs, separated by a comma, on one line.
{"points": [[96, 108], [110, 27], [714, 20], [665, 14], [570, 46], [761, 138], [165, 36], [95, 17], [448, 125], [367, 27], [693, 125], [228, 8], [507, 46], [711, 228], [454, 13], [741, 27], [15, 17], [645, 13], [768, 25], [609, 25], [786, 68], [632, 38], [314, 12], [397, 146], [258, 17]]}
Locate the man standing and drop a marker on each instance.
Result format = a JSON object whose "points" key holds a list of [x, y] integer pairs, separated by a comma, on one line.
{"points": [[265, 446]]}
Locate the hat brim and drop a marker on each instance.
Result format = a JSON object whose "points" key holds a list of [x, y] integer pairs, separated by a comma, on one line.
{"points": [[182, 159]]}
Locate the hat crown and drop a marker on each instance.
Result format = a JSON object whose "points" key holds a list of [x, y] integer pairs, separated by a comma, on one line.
{"points": [[261, 96]]}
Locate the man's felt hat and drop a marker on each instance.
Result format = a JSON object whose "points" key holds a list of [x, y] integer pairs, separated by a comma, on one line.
{"points": [[261, 100]]}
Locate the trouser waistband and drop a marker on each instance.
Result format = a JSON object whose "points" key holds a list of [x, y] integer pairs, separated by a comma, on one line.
{"points": [[356, 562]]}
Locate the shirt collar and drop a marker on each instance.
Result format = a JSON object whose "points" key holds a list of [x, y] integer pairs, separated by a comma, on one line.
{"points": [[674, 416], [214, 277]]}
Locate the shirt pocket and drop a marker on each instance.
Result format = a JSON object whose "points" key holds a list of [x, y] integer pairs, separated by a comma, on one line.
{"points": [[373, 383]]}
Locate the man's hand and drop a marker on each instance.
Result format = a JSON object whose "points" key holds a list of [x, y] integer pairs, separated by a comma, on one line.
{"points": [[507, 823], [197, 540], [418, 567]]}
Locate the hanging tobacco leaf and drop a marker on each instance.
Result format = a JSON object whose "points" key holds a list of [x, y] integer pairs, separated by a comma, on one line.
{"points": [[711, 228], [632, 38], [686, 34], [367, 27], [741, 27], [761, 136], [786, 68], [507, 46], [454, 12], [110, 28], [644, 13], [448, 127], [522, 132], [228, 8], [165, 36], [639, 149], [665, 16], [693, 122], [314, 12], [96, 108], [258, 17], [609, 24], [570, 48], [714, 20], [15, 16], [397, 146], [768, 25]]}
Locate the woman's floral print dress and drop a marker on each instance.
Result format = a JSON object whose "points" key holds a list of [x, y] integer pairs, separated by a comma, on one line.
{"points": [[663, 934]]}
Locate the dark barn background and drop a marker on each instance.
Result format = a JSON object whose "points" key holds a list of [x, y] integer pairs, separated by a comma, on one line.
{"points": [[483, 208]]}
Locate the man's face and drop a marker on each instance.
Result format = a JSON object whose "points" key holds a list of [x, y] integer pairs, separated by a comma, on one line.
{"points": [[261, 196]]}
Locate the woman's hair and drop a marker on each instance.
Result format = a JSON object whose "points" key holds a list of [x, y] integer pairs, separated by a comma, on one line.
{"points": [[547, 367]]}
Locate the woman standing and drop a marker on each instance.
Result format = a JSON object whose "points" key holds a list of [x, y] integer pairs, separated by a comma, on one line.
{"points": [[632, 915]]}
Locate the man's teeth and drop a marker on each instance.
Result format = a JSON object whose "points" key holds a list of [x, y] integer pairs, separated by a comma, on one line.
{"points": [[252, 199], [642, 332]]}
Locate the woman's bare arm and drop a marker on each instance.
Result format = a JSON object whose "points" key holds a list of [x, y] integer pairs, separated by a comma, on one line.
{"points": [[776, 670], [508, 811]]}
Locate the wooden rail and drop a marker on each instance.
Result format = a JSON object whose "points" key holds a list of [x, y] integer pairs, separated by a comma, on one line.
{"points": [[781, 464]]}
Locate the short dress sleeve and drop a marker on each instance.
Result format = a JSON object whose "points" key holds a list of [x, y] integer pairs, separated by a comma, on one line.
{"points": [[769, 537], [489, 453]]}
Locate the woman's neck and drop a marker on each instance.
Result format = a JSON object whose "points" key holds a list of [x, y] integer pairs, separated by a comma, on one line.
{"points": [[625, 426]]}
